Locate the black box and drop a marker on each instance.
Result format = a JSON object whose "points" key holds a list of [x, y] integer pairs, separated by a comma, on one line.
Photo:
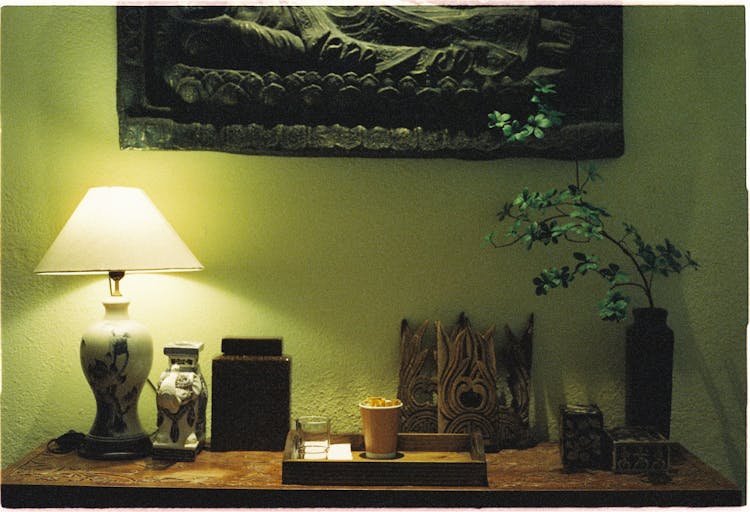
{"points": [[582, 443], [638, 450], [251, 391]]}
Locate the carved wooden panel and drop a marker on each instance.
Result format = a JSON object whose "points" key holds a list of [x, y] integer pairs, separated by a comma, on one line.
{"points": [[467, 398], [465, 383], [417, 385], [348, 80], [514, 429]]}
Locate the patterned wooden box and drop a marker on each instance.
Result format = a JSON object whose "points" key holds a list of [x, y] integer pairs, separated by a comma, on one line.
{"points": [[582, 435], [638, 450], [250, 395]]}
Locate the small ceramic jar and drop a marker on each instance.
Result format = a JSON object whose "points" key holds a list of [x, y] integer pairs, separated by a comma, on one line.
{"points": [[181, 400]]}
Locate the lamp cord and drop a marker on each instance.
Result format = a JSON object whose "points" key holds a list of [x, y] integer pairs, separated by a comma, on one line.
{"points": [[66, 443]]}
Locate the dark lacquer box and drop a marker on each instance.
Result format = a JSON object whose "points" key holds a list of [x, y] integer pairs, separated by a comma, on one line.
{"points": [[582, 442], [251, 389]]}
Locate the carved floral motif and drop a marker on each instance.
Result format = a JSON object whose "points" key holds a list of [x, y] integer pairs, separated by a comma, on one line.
{"points": [[465, 385]]}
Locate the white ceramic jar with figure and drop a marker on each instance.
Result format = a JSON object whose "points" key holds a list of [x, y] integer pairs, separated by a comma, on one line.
{"points": [[181, 400]]}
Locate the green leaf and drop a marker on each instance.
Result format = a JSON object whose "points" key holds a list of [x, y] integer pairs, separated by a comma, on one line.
{"points": [[513, 231], [544, 88], [614, 307], [520, 136], [592, 172], [552, 278], [561, 230], [587, 262], [621, 278], [542, 121], [554, 116], [589, 213], [522, 197], [590, 231]]}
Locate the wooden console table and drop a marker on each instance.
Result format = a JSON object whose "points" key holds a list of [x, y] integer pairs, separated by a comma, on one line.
{"points": [[531, 477]]}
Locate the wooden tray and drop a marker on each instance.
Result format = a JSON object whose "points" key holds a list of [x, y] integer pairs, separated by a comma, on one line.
{"points": [[423, 459]]}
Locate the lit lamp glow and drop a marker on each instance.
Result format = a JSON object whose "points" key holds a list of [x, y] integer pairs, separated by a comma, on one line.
{"points": [[112, 231]]}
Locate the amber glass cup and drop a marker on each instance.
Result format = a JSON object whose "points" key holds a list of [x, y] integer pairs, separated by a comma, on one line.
{"points": [[380, 429]]}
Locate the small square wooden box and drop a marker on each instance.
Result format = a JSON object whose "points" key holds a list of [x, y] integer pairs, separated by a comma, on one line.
{"points": [[582, 437], [638, 450]]}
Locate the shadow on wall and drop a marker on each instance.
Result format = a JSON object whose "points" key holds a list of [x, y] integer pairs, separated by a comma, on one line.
{"points": [[726, 406], [575, 364]]}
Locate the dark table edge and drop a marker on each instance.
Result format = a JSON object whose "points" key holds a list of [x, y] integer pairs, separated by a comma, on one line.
{"points": [[44, 496]]}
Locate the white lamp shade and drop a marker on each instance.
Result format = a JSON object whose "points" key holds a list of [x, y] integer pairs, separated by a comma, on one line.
{"points": [[117, 229]]}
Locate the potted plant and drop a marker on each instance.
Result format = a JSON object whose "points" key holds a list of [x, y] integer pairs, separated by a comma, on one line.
{"points": [[566, 215]]}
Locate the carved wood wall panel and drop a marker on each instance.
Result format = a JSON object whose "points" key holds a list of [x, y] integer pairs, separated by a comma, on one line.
{"points": [[365, 80], [464, 382], [467, 398], [417, 385]]}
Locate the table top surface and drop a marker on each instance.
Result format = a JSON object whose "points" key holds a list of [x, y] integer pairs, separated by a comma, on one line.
{"points": [[509, 473]]}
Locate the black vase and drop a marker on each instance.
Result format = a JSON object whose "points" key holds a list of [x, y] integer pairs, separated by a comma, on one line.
{"points": [[649, 348]]}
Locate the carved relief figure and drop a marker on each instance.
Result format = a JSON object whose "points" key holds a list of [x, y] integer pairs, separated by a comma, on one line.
{"points": [[443, 41], [416, 80]]}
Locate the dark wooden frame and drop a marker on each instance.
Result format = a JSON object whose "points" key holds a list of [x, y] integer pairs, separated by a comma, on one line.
{"points": [[166, 100]]}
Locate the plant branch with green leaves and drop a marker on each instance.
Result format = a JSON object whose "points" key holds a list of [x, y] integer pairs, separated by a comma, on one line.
{"points": [[544, 118], [566, 215], [549, 217]]}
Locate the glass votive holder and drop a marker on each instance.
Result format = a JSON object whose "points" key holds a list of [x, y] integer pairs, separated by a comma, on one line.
{"points": [[313, 437]]}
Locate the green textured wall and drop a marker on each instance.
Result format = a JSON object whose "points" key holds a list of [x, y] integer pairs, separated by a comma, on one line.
{"points": [[331, 254]]}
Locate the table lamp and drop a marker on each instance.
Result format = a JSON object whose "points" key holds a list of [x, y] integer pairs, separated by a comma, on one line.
{"points": [[112, 231]]}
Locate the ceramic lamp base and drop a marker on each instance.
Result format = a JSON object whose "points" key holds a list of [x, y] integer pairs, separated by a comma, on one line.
{"points": [[106, 448], [116, 354]]}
